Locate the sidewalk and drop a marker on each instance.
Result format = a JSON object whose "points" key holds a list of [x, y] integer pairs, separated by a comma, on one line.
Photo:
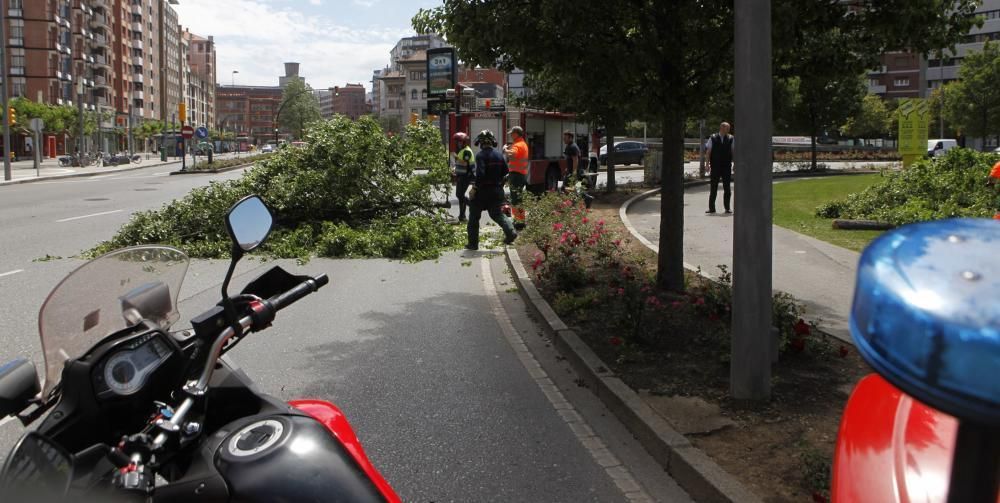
{"points": [[816, 273], [49, 169]]}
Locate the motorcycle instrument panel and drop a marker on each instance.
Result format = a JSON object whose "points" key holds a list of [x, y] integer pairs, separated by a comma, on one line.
{"points": [[127, 370]]}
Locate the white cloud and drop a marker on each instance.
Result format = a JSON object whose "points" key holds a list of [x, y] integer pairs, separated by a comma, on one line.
{"points": [[256, 37], [365, 3], [316, 2]]}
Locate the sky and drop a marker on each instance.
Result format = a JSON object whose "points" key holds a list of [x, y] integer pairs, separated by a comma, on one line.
{"points": [[335, 41]]}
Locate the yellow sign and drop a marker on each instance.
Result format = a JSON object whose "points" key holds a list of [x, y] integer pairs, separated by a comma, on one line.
{"points": [[182, 111], [914, 123]]}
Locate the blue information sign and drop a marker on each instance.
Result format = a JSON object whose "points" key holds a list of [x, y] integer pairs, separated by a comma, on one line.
{"points": [[201, 132]]}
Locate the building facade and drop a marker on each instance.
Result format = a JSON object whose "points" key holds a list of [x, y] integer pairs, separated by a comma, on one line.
{"points": [[349, 100], [939, 70], [899, 76], [249, 111], [202, 76], [325, 99]]}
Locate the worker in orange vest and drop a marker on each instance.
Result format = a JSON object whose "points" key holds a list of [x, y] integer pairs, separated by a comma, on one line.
{"points": [[993, 181], [517, 161]]}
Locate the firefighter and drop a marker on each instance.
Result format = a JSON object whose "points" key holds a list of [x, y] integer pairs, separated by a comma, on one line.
{"points": [[487, 190], [517, 153], [994, 181], [465, 162]]}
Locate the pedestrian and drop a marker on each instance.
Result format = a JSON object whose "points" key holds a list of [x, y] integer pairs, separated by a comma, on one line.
{"points": [[518, 155], [576, 171], [720, 165], [465, 162], [487, 190], [994, 181]]}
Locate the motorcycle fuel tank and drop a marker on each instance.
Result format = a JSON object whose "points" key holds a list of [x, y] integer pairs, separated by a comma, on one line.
{"points": [[290, 458]]}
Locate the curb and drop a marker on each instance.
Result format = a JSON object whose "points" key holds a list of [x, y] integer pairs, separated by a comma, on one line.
{"points": [[78, 175], [623, 216], [699, 475], [209, 171]]}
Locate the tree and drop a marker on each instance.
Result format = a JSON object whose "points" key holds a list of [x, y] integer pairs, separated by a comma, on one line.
{"points": [[972, 103], [390, 124], [823, 103], [298, 108], [873, 120], [663, 61]]}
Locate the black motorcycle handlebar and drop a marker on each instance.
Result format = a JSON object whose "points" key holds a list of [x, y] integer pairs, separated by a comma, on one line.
{"points": [[285, 299]]}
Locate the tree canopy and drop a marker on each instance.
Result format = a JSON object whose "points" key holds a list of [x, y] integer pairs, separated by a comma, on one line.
{"points": [[299, 108], [972, 103], [872, 120]]}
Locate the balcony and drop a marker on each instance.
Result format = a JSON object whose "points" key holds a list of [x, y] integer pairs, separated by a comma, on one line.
{"points": [[98, 40], [137, 10], [137, 78], [99, 4], [137, 27], [137, 61], [98, 21], [136, 94], [100, 81], [136, 44]]}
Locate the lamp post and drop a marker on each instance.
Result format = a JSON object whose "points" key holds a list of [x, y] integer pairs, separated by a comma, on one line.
{"points": [[233, 80], [3, 91]]}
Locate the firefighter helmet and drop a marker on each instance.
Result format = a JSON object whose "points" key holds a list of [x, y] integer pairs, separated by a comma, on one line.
{"points": [[486, 139], [461, 138]]}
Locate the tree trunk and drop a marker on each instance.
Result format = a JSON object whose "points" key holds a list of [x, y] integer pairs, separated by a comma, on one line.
{"points": [[608, 129], [814, 167], [670, 259]]}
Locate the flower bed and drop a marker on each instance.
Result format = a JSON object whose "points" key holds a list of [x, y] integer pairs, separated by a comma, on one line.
{"points": [[677, 344]]}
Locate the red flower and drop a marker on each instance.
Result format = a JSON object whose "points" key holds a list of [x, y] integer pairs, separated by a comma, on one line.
{"points": [[615, 340], [591, 241], [843, 351], [617, 242], [676, 303], [536, 264], [585, 220], [600, 223], [557, 226], [713, 317], [798, 344], [700, 301], [801, 328], [567, 203], [621, 292]]}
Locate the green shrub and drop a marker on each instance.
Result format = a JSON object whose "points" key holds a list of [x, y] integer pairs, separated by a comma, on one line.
{"points": [[203, 165], [947, 187], [352, 191]]}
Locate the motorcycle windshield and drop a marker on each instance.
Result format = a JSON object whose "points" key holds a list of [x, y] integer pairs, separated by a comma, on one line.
{"points": [[107, 294]]}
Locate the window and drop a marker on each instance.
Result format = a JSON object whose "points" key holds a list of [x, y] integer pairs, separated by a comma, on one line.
{"points": [[19, 86], [423, 94], [904, 82], [413, 94]]}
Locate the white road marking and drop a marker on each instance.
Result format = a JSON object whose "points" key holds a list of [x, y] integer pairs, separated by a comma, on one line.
{"points": [[88, 216], [11, 273], [800, 252], [593, 443]]}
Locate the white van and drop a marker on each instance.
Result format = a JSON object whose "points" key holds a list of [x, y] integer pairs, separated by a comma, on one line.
{"points": [[937, 148]]}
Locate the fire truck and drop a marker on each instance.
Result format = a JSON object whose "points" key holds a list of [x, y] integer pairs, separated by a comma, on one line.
{"points": [[543, 131]]}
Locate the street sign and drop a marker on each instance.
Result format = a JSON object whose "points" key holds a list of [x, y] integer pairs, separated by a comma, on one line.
{"points": [[914, 123], [441, 71], [440, 107], [37, 125], [201, 132], [187, 132]]}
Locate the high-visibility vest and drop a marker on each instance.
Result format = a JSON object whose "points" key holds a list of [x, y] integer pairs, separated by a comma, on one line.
{"points": [[461, 166], [518, 162]]}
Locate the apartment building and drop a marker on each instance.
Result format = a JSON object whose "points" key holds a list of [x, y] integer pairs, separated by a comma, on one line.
{"points": [[202, 64], [349, 100], [248, 110], [325, 99]]}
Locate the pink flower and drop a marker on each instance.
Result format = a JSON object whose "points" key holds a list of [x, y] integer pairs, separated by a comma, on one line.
{"points": [[557, 226], [621, 292], [591, 241], [567, 203], [615, 340], [585, 219], [536, 264], [653, 300], [565, 236], [600, 223], [617, 242], [676, 304]]}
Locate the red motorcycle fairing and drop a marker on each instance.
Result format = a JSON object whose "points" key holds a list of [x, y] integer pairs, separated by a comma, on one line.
{"points": [[335, 421], [892, 448]]}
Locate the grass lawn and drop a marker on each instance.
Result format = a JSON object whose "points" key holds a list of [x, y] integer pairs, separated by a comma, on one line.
{"points": [[795, 204]]}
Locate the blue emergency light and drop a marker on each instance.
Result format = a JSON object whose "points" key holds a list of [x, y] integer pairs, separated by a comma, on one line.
{"points": [[926, 314]]}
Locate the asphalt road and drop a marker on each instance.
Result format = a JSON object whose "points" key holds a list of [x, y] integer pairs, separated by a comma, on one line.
{"points": [[413, 354]]}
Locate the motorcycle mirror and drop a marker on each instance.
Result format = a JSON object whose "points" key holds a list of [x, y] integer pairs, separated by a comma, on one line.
{"points": [[249, 222], [36, 470], [926, 317], [18, 385]]}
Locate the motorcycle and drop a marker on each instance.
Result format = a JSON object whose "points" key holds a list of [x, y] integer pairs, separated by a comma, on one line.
{"points": [[926, 317], [131, 411]]}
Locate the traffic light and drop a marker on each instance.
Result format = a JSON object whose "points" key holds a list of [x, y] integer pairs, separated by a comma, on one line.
{"points": [[11, 116]]}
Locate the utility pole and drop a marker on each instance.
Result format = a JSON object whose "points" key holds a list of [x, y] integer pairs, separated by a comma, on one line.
{"points": [[3, 89], [750, 368], [79, 96]]}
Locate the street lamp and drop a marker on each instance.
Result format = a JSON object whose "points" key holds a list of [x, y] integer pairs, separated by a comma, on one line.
{"points": [[233, 81]]}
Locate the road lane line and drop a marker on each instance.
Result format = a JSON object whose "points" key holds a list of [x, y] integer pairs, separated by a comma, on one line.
{"points": [[590, 441], [88, 216], [11, 273]]}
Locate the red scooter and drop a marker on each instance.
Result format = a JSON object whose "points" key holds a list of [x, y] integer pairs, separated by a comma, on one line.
{"points": [[135, 412], [926, 317]]}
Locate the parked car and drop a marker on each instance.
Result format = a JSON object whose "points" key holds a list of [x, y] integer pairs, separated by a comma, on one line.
{"points": [[267, 149], [939, 147], [626, 152]]}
